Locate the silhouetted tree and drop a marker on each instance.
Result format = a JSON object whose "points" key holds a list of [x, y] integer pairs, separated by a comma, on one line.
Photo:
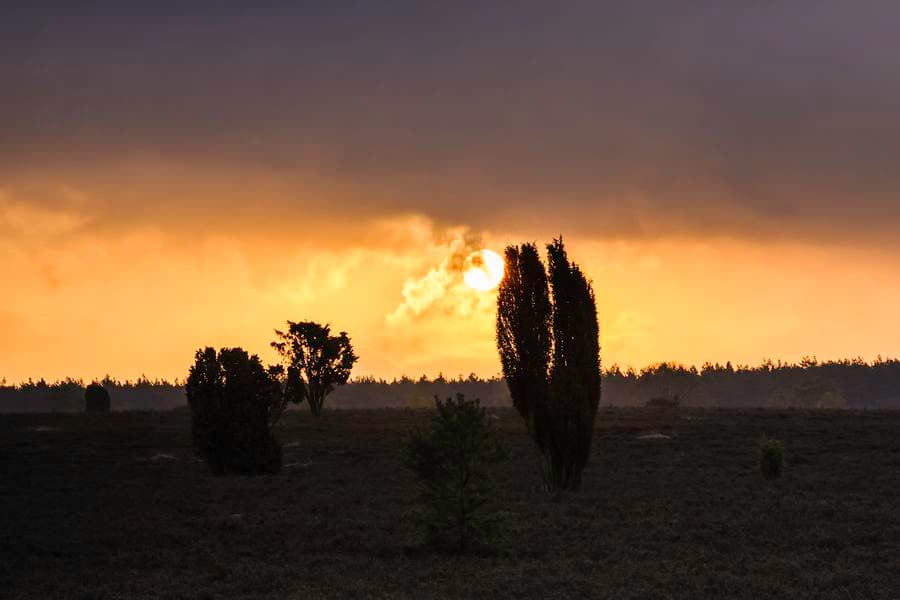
{"points": [[315, 360], [450, 458], [575, 374], [292, 390], [231, 397], [524, 337], [96, 399], [550, 353]]}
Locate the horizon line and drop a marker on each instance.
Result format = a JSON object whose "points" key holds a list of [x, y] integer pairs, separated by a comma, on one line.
{"points": [[804, 362]]}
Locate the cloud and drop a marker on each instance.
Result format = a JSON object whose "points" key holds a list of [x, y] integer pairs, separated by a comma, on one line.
{"points": [[441, 324], [758, 121], [441, 288], [724, 171], [23, 219], [143, 299]]}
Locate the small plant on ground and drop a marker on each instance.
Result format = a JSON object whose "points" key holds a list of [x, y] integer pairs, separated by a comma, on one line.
{"points": [[771, 457], [451, 458], [96, 399], [233, 399]]}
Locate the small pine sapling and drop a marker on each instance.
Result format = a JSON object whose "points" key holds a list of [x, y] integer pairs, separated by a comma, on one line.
{"points": [[451, 458]]}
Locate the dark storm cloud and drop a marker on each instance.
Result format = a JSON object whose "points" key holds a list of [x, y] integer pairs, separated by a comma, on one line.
{"points": [[740, 118]]}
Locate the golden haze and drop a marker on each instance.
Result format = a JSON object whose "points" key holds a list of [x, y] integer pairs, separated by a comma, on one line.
{"points": [[81, 302]]}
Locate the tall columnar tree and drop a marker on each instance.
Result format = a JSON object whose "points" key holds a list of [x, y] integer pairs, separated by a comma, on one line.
{"points": [[524, 319], [548, 339], [316, 361]]}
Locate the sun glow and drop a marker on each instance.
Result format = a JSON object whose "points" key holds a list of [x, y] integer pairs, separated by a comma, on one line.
{"points": [[483, 270]]}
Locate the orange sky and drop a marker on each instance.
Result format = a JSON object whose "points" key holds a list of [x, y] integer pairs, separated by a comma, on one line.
{"points": [[178, 177], [89, 303]]}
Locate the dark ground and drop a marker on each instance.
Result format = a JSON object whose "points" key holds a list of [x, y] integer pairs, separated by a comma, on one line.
{"points": [[115, 507]]}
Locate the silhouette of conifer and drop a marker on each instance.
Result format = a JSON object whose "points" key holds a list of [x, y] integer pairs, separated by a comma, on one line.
{"points": [[232, 397], [548, 339], [451, 459], [524, 319]]}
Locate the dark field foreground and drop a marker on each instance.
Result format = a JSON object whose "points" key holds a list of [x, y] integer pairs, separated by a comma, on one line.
{"points": [[115, 507]]}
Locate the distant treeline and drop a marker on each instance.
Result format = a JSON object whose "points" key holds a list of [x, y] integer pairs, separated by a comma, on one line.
{"points": [[808, 384], [68, 395]]}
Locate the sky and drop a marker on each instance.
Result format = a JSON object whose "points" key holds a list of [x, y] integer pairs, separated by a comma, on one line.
{"points": [[177, 175]]}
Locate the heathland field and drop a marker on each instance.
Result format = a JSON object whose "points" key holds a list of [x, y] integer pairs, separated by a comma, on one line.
{"points": [[115, 506]]}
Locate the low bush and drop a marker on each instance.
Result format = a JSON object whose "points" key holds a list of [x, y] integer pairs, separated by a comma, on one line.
{"points": [[771, 457], [232, 398], [96, 399], [451, 459]]}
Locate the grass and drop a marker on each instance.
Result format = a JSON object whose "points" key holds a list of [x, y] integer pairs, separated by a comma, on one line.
{"points": [[114, 506]]}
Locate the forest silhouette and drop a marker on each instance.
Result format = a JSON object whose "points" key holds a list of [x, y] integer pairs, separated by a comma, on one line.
{"points": [[810, 383]]}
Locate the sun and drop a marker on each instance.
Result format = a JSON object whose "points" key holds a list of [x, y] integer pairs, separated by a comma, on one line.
{"points": [[483, 270]]}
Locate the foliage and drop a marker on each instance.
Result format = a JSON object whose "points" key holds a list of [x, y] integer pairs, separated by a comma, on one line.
{"points": [[810, 384], [771, 457], [316, 362], [450, 458], [524, 322], [96, 399], [232, 398], [852, 383], [810, 393], [292, 391], [548, 340]]}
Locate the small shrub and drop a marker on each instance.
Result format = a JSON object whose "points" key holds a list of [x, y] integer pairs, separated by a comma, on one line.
{"points": [[96, 399], [771, 458], [450, 458], [232, 399]]}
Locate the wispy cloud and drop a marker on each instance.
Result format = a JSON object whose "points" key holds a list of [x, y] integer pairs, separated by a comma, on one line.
{"points": [[441, 289]]}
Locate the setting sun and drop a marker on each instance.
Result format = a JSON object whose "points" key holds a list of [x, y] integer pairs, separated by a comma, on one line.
{"points": [[483, 270]]}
